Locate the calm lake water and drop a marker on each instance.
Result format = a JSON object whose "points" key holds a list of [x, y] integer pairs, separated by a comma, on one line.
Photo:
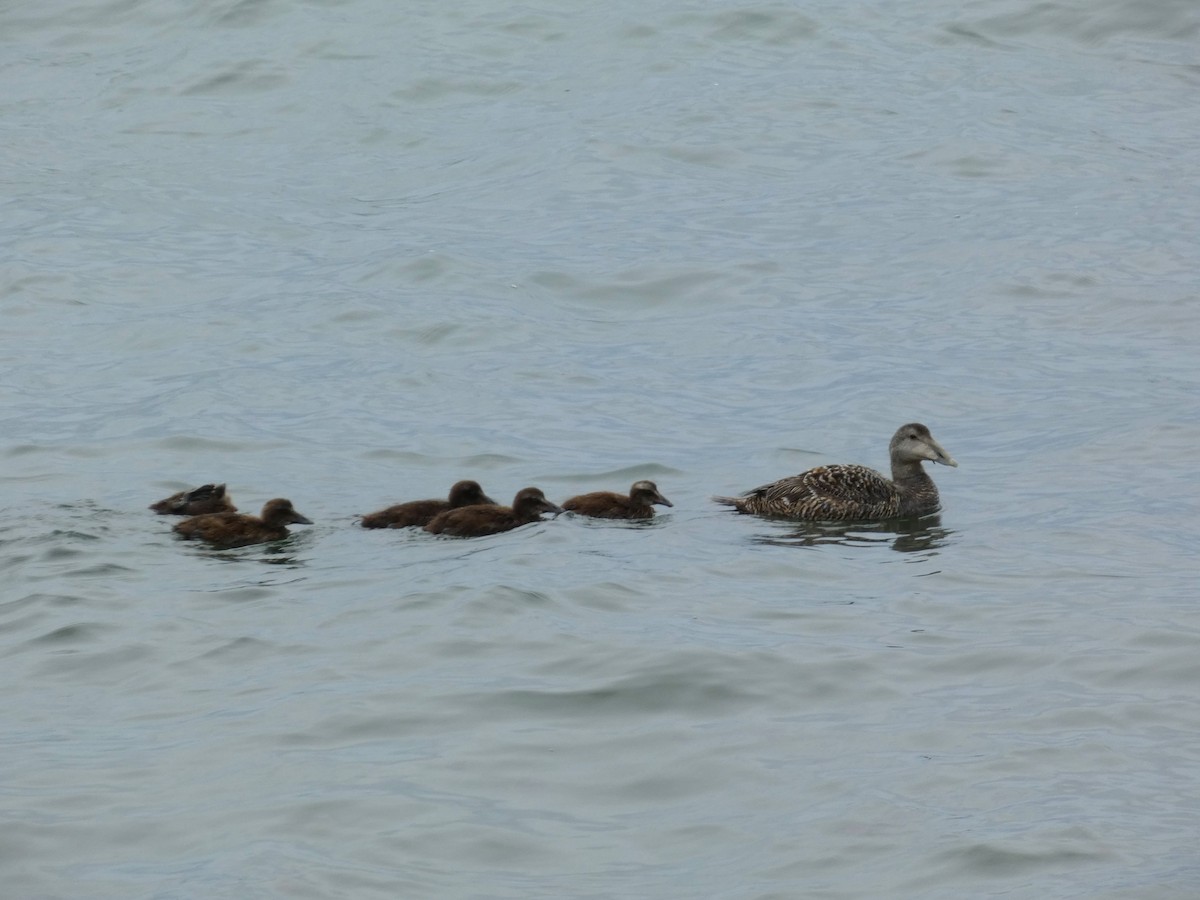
{"points": [[350, 252]]}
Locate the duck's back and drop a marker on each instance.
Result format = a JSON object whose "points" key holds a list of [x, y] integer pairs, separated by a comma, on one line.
{"points": [[836, 492], [474, 521], [227, 530], [608, 505], [406, 515]]}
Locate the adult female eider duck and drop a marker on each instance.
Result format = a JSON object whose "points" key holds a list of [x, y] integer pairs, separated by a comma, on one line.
{"points": [[208, 498], [610, 505], [476, 521], [421, 512], [228, 530], [855, 493]]}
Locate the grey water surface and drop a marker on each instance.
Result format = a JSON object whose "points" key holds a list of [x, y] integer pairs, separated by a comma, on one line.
{"points": [[350, 252]]}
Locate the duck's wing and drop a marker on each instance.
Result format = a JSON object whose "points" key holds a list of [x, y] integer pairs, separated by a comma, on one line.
{"points": [[835, 484]]}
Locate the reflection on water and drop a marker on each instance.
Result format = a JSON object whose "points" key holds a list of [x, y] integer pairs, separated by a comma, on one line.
{"points": [[905, 535], [282, 552]]}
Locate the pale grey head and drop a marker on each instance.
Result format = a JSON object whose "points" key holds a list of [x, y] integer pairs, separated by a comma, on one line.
{"points": [[913, 443]]}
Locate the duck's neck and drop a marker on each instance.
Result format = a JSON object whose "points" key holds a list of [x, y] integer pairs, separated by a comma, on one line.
{"points": [[905, 471], [919, 493]]}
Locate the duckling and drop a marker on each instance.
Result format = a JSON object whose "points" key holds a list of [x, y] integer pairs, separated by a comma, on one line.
{"points": [[610, 505], [475, 521], [227, 529], [420, 512], [852, 492], [208, 498]]}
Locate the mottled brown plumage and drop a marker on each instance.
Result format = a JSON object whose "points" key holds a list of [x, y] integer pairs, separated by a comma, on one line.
{"points": [[208, 498], [227, 530], [610, 505], [854, 493], [421, 512], [475, 521]]}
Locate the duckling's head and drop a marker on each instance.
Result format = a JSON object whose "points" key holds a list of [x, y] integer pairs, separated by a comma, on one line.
{"points": [[469, 493], [281, 512], [647, 492], [531, 501]]}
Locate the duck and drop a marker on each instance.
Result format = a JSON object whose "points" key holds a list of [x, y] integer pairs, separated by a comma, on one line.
{"points": [[226, 530], [476, 521], [611, 505], [420, 512], [852, 492], [208, 498]]}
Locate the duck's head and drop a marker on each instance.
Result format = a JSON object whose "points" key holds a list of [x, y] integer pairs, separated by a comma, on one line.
{"points": [[914, 443]]}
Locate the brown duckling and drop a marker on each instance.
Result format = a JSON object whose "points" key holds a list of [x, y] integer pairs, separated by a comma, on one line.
{"points": [[855, 493], [420, 512], [227, 530], [610, 505], [475, 521], [208, 498]]}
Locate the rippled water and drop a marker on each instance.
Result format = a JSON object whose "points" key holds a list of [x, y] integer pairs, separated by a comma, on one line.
{"points": [[351, 252]]}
